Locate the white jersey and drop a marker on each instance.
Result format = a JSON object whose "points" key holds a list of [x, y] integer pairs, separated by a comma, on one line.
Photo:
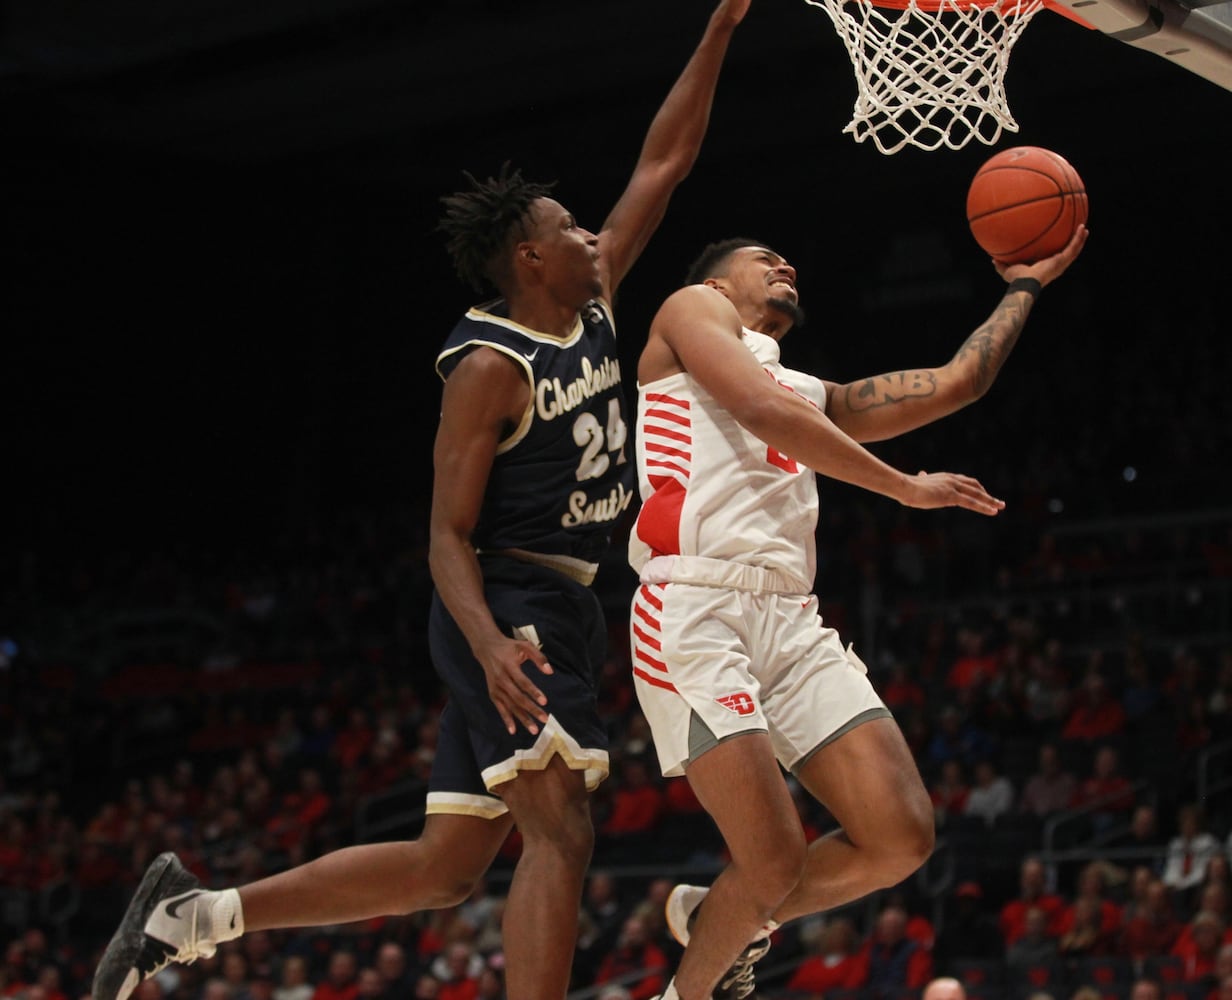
{"points": [[710, 488]]}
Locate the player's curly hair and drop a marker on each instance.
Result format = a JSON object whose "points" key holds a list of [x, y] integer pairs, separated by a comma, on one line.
{"points": [[711, 261], [479, 223]]}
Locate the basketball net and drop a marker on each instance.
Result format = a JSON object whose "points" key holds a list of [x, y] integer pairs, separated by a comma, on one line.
{"points": [[931, 75]]}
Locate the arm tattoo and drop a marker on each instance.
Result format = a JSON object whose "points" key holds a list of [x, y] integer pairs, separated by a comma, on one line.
{"points": [[882, 390], [992, 342]]}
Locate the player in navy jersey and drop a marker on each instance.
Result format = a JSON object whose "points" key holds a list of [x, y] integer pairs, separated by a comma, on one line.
{"points": [[531, 471]]}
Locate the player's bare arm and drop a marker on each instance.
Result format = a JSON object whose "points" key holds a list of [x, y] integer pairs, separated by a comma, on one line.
{"points": [[884, 406], [702, 330], [484, 398], [669, 150]]}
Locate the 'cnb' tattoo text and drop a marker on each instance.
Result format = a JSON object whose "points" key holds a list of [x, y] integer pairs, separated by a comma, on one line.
{"points": [[882, 390]]}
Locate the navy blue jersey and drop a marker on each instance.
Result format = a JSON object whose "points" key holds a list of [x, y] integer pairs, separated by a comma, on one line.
{"points": [[563, 476]]}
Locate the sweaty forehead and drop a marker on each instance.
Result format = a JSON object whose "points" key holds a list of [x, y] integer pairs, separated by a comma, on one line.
{"points": [[752, 252]]}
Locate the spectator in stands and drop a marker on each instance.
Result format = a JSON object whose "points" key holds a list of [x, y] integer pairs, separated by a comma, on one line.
{"points": [[974, 667], [427, 987], [634, 951], [1146, 989], [1047, 687], [1085, 935], [968, 931], [1153, 928], [637, 806], [371, 986], [949, 792], [958, 738], [1050, 788], [491, 984], [944, 988], [1032, 894], [1190, 851], [991, 796], [892, 961], [340, 978], [602, 905], [293, 983], [902, 693], [397, 978], [1141, 837], [458, 970], [834, 962], [1223, 965], [1096, 716], [1107, 793], [1092, 887], [1199, 946], [1140, 694]]}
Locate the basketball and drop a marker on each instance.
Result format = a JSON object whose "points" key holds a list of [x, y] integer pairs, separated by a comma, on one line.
{"points": [[1024, 203]]}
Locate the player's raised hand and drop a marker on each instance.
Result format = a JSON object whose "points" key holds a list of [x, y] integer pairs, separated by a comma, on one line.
{"points": [[1050, 268], [930, 490], [514, 694]]}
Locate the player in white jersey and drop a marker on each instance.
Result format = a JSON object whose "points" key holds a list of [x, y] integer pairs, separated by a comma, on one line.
{"points": [[733, 667]]}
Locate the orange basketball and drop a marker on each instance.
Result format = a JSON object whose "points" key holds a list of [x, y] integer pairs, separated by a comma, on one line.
{"points": [[1024, 204]]}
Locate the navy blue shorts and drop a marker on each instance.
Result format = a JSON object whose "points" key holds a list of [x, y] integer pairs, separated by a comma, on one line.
{"points": [[475, 752]]}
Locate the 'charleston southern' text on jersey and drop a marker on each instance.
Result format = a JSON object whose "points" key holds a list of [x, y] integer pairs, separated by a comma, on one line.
{"points": [[563, 475]]}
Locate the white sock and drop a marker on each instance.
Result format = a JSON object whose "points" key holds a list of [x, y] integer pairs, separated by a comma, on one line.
{"points": [[200, 922], [226, 915], [670, 993]]}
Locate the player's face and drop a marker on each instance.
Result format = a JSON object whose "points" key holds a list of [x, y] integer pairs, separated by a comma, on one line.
{"points": [[568, 253], [759, 279]]}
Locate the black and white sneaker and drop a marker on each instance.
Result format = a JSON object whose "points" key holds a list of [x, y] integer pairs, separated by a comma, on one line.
{"points": [[737, 983], [165, 922]]}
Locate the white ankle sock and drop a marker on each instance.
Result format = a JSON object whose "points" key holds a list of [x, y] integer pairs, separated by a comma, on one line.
{"points": [[226, 915]]}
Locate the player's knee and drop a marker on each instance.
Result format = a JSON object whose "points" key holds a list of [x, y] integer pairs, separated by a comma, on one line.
{"points": [[912, 840], [448, 889]]}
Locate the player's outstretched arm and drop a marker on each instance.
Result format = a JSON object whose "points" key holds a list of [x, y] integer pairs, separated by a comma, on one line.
{"points": [[483, 394], [669, 150], [885, 406], [700, 331]]}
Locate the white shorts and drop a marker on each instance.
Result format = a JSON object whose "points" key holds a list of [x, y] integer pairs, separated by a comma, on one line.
{"points": [[738, 655]]}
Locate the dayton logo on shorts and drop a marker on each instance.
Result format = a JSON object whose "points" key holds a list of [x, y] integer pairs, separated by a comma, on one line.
{"points": [[740, 703]]}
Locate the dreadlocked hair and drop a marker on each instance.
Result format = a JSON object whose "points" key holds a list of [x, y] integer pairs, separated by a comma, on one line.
{"points": [[478, 224], [712, 261]]}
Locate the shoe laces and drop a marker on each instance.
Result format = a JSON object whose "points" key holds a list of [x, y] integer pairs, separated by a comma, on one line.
{"points": [[739, 978], [159, 954]]}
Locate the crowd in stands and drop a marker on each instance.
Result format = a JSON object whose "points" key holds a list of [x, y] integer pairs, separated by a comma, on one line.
{"points": [[253, 708]]}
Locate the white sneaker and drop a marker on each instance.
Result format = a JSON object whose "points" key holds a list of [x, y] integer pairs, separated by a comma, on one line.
{"points": [[164, 923], [680, 910]]}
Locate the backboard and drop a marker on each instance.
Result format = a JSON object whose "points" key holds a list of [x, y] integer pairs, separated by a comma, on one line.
{"points": [[1191, 33]]}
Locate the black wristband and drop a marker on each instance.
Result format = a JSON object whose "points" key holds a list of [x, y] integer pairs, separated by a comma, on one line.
{"points": [[1025, 285]]}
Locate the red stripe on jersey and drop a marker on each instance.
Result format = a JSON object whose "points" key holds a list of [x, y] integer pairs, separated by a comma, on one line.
{"points": [[663, 449], [649, 432], [649, 597], [651, 679], [658, 413], [658, 524], [646, 637], [662, 397], [649, 660], [646, 616]]}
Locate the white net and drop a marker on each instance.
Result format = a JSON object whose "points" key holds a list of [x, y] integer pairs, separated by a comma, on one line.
{"points": [[930, 78]]}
